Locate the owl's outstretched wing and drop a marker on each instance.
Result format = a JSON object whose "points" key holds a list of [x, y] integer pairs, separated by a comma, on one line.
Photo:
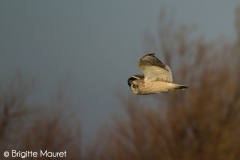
{"points": [[154, 69]]}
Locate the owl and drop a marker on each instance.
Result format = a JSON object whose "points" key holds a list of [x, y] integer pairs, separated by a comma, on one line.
{"points": [[157, 77]]}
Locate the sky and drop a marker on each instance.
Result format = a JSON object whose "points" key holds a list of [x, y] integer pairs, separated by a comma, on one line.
{"points": [[95, 44]]}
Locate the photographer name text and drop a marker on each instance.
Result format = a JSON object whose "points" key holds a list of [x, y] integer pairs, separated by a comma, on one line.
{"points": [[41, 153]]}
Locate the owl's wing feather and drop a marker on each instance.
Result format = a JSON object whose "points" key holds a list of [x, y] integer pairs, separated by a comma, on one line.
{"points": [[154, 69]]}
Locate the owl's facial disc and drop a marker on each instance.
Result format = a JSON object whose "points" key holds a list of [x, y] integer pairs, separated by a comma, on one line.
{"points": [[133, 78], [134, 87], [134, 81]]}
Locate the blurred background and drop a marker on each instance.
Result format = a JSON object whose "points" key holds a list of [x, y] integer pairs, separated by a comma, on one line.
{"points": [[64, 67]]}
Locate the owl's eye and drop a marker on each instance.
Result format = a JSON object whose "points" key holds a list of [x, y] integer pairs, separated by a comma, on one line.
{"points": [[134, 86]]}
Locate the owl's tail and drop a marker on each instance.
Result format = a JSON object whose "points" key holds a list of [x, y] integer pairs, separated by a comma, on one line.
{"points": [[181, 87], [173, 86]]}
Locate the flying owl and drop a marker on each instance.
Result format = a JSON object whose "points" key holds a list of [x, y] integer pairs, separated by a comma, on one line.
{"points": [[157, 77]]}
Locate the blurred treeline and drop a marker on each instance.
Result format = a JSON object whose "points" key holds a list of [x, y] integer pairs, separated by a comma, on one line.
{"points": [[29, 127], [202, 122]]}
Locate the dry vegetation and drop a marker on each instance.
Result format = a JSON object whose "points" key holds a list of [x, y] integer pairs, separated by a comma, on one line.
{"points": [[199, 123], [25, 127]]}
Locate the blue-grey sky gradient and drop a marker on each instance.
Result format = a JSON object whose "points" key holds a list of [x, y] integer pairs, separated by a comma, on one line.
{"points": [[97, 43]]}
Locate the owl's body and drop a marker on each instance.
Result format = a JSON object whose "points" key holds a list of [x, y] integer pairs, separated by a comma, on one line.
{"points": [[155, 87], [157, 77]]}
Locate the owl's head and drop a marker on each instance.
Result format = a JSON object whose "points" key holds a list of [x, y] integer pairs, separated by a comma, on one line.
{"points": [[133, 83]]}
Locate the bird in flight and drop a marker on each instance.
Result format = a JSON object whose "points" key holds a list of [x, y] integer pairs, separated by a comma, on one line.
{"points": [[157, 77]]}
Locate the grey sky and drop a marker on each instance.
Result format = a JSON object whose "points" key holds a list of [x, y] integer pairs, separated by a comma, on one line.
{"points": [[98, 43]]}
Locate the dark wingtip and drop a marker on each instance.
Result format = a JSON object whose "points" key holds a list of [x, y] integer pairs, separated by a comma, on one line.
{"points": [[151, 54]]}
